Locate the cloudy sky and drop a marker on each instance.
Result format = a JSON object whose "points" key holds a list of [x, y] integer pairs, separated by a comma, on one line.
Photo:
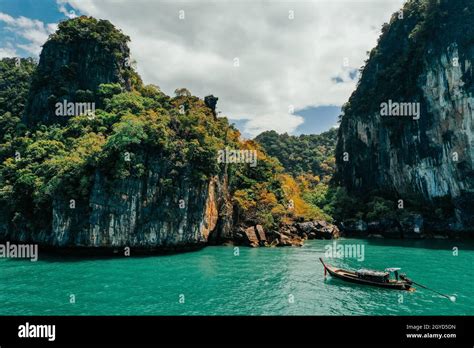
{"points": [[282, 65]]}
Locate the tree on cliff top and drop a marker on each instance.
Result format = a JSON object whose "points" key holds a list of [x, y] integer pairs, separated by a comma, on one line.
{"points": [[88, 28]]}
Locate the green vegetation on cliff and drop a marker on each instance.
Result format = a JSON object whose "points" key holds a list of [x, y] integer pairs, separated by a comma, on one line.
{"points": [[15, 79], [308, 163], [56, 158], [62, 160], [415, 35]]}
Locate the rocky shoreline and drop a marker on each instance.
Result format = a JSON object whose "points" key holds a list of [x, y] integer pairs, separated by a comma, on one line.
{"points": [[293, 234], [288, 234], [415, 227]]}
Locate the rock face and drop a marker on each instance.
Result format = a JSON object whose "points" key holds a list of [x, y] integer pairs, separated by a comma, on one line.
{"points": [[354, 227], [429, 159], [137, 213], [293, 234], [73, 63], [253, 236], [211, 103], [317, 230], [284, 238]]}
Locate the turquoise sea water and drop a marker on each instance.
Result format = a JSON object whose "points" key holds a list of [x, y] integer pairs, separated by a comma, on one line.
{"points": [[261, 281]]}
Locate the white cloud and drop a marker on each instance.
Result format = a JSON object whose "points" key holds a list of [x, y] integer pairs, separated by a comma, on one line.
{"points": [[62, 8], [283, 62], [33, 31]]}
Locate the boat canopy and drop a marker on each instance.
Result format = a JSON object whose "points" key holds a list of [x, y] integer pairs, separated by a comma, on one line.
{"points": [[371, 273], [392, 269]]}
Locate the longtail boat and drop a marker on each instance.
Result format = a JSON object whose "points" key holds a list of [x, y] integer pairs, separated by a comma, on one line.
{"points": [[380, 279]]}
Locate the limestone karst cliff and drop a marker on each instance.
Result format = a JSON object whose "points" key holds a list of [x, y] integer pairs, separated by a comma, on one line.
{"points": [[137, 173], [141, 170], [73, 63], [425, 162]]}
